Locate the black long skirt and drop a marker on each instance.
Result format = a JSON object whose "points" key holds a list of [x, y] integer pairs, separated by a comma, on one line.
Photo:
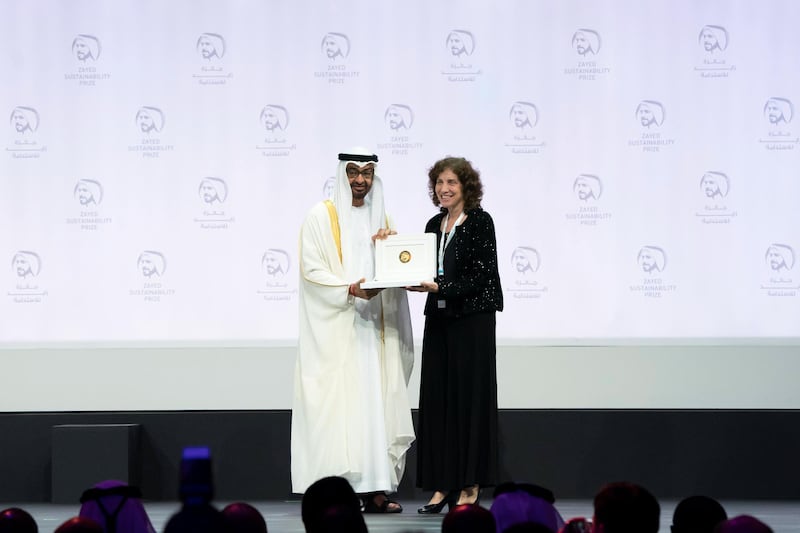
{"points": [[457, 433]]}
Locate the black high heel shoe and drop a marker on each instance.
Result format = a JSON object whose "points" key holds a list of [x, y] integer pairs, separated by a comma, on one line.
{"points": [[435, 508]]}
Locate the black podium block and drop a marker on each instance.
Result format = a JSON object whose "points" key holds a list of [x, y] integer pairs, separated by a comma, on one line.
{"points": [[85, 454]]}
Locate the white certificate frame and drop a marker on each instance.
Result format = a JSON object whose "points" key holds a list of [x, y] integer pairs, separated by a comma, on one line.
{"points": [[404, 261]]}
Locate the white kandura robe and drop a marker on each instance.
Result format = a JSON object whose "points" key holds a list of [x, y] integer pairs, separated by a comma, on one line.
{"points": [[351, 416]]}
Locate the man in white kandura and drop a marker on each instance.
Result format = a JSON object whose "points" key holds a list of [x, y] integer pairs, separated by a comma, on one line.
{"points": [[351, 416]]}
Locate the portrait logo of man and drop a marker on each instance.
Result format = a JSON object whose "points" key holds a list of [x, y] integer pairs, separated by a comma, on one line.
{"points": [[274, 117], [151, 264], [213, 191], [525, 260], [652, 259], [210, 46], [586, 42], [587, 187], [335, 46], [327, 187], [523, 115], [460, 43], [275, 263], [86, 48], [399, 117], [24, 120], [88, 192], [779, 257], [650, 113], [778, 111], [713, 39], [150, 120], [715, 185], [26, 264]]}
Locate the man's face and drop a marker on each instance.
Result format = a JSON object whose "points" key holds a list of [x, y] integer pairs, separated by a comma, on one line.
{"points": [[146, 123], [709, 40], [776, 260], [147, 267], [22, 267], [581, 44], [209, 193], [395, 120], [456, 45], [272, 265], [82, 51], [20, 122], [647, 261], [583, 190], [646, 116], [774, 113], [207, 49], [85, 196], [520, 117], [360, 179], [521, 262], [270, 119], [332, 48], [711, 187]]}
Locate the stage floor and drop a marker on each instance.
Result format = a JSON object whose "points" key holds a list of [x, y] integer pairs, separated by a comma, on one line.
{"points": [[284, 516]]}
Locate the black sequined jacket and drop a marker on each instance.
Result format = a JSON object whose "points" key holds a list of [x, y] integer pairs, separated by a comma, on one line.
{"points": [[473, 285]]}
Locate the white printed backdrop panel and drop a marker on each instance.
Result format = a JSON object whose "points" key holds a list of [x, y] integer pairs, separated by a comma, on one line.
{"points": [[640, 159]]}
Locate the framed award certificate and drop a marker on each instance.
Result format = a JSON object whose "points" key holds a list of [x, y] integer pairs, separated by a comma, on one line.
{"points": [[404, 261]]}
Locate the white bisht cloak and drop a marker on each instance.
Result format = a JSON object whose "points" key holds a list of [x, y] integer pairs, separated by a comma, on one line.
{"points": [[328, 424]]}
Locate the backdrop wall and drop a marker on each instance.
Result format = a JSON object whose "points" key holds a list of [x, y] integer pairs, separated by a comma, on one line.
{"points": [[640, 160]]}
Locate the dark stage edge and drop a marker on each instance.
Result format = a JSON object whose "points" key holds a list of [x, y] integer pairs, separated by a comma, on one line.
{"points": [[733, 455]]}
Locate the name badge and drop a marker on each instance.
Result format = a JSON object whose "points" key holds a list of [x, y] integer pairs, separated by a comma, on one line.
{"points": [[441, 304]]}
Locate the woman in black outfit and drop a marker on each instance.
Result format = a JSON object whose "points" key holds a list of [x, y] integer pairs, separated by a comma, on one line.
{"points": [[457, 436]]}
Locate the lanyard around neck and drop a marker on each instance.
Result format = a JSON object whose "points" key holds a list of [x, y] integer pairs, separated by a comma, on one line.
{"points": [[446, 238]]}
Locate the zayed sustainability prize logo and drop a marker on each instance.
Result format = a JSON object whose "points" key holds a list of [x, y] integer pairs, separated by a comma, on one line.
{"points": [[213, 193], [586, 44], [652, 262], [334, 53], [26, 266], [273, 120], [714, 189], [87, 196], [779, 260], [274, 270], [399, 121], [524, 265], [24, 123], [523, 118], [150, 122], [778, 114], [151, 266], [210, 49], [587, 190], [650, 115], [459, 50], [712, 43], [86, 51]]}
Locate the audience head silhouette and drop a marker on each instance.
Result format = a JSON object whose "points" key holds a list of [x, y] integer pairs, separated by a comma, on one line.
{"points": [[325, 493], [522, 503], [697, 514], [244, 518], [742, 524], [79, 524], [468, 519], [117, 507], [624, 507], [16, 520]]}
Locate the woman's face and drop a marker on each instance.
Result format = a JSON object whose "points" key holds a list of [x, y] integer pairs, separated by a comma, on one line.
{"points": [[449, 191]]}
